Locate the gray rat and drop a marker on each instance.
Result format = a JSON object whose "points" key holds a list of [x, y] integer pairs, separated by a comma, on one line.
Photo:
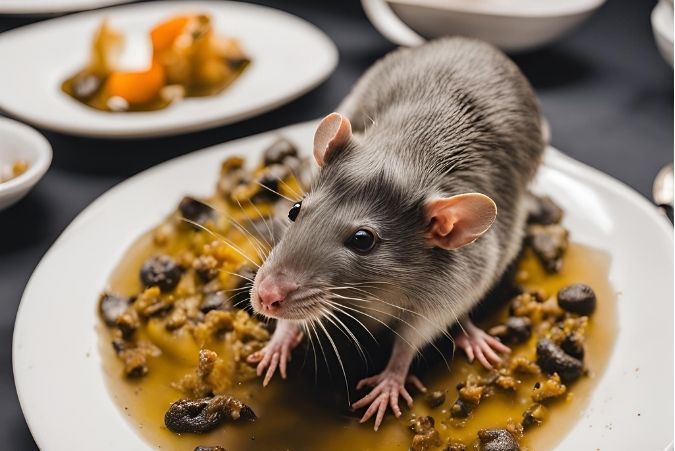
{"points": [[417, 210]]}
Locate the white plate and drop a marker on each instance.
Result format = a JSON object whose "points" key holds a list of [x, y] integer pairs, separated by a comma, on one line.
{"points": [[290, 56], [512, 25], [55, 349], [48, 7], [20, 142]]}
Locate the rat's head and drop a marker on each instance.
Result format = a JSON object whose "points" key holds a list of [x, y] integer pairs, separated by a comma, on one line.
{"points": [[361, 227]]}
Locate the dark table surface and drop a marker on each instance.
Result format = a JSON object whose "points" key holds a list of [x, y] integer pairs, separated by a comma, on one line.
{"points": [[604, 88]]}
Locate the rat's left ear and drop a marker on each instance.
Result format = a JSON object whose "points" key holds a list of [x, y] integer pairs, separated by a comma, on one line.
{"points": [[458, 220], [333, 133]]}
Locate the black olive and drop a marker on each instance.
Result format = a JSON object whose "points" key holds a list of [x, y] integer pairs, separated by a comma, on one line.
{"points": [[551, 359], [497, 439], [196, 211], [294, 211], [161, 271], [112, 307], [362, 241], [279, 150], [199, 416], [577, 298]]}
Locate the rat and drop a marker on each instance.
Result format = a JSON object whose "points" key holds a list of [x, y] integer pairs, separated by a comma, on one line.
{"points": [[417, 210]]}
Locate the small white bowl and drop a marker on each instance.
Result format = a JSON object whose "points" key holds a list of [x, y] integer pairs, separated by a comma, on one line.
{"points": [[512, 25], [20, 142], [662, 25]]}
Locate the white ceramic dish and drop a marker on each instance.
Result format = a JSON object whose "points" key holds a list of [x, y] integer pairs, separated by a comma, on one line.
{"points": [[290, 57], [49, 7], [512, 25], [20, 142], [600, 212], [662, 26]]}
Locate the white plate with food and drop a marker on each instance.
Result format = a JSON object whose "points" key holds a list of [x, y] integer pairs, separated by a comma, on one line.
{"points": [[25, 156], [49, 7], [63, 375], [160, 68], [513, 26]]}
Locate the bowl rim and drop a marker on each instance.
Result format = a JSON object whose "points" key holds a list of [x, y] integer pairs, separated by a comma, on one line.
{"points": [[37, 168], [555, 10]]}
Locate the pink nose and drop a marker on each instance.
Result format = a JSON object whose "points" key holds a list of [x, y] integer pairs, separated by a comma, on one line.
{"points": [[274, 289]]}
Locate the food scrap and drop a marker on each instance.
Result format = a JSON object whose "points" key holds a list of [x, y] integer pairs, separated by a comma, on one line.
{"points": [[188, 60]]}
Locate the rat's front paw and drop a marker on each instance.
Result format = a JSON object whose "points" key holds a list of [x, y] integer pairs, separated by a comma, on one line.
{"points": [[479, 344], [388, 386], [277, 352]]}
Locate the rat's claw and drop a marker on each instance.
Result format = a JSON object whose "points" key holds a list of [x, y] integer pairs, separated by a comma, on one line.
{"points": [[477, 343], [388, 387], [276, 353]]}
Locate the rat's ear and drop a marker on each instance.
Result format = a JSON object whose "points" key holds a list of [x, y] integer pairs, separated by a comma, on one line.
{"points": [[333, 133], [458, 220]]}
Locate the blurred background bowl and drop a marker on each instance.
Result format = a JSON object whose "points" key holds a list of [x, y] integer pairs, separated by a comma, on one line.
{"points": [[662, 25], [20, 142], [512, 25]]}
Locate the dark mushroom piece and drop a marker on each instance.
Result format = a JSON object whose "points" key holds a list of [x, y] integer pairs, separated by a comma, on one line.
{"points": [[552, 359], [161, 271], [217, 300], [549, 244], [86, 85], [435, 398], [573, 345], [497, 439], [577, 298], [209, 448], [196, 211], [199, 416], [112, 307], [460, 409], [544, 211], [279, 150]]}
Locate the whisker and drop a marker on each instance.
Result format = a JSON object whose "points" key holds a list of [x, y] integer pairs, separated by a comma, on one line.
{"points": [[273, 191], [222, 238], [337, 354]]}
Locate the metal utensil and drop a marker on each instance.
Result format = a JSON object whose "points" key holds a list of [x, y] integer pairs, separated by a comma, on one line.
{"points": [[663, 190]]}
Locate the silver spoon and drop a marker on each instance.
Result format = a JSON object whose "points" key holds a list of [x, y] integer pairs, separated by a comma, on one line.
{"points": [[663, 191]]}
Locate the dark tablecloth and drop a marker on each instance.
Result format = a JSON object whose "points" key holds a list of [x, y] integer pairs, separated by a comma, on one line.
{"points": [[604, 88]]}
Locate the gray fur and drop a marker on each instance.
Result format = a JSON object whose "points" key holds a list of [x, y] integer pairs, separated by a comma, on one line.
{"points": [[450, 117]]}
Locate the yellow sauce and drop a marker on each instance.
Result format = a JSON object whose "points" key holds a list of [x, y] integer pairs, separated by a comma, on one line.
{"points": [[291, 418]]}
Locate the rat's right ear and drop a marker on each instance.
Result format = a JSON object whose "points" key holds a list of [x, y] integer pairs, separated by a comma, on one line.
{"points": [[333, 133]]}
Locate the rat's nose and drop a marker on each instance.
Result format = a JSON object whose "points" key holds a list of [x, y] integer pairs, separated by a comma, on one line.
{"points": [[274, 289]]}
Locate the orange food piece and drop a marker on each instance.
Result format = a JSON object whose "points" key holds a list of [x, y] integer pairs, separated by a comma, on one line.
{"points": [[137, 87], [165, 33]]}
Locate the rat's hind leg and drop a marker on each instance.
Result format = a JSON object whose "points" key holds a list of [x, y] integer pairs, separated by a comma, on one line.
{"points": [[277, 352], [477, 343]]}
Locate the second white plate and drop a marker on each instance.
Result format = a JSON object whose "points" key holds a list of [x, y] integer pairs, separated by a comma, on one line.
{"points": [[290, 57]]}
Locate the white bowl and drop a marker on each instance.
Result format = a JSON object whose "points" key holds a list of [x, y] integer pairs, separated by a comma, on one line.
{"points": [[20, 142], [512, 25], [662, 25]]}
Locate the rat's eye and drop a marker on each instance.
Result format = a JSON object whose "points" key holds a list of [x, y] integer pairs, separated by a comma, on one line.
{"points": [[362, 241], [294, 211]]}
